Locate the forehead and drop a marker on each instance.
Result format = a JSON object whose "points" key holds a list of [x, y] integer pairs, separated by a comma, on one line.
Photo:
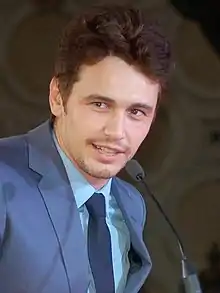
{"points": [[114, 78]]}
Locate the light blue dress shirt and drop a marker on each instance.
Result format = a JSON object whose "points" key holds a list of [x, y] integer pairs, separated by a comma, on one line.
{"points": [[120, 238]]}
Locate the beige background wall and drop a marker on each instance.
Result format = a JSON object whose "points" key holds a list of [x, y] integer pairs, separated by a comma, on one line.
{"points": [[181, 155]]}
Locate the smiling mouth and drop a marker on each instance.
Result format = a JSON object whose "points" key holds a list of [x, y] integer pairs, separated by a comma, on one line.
{"points": [[106, 150]]}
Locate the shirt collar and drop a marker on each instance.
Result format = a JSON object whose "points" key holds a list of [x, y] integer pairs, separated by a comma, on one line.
{"points": [[81, 188]]}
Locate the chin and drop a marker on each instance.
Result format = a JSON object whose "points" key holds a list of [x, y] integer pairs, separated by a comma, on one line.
{"points": [[109, 171], [102, 171], [99, 170]]}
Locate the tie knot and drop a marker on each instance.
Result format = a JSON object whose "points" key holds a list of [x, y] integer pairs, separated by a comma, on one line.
{"points": [[96, 205]]}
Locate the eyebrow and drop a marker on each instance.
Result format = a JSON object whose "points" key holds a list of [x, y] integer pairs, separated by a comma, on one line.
{"points": [[144, 106]]}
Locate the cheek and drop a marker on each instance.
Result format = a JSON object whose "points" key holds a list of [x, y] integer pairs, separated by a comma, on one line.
{"points": [[137, 135], [84, 128], [94, 123]]}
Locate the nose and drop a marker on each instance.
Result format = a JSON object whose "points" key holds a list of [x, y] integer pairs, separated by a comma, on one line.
{"points": [[115, 127]]}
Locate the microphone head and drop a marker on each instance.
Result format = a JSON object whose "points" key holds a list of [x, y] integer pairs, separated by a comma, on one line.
{"points": [[135, 170]]}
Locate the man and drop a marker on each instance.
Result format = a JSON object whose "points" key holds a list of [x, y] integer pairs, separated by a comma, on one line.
{"points": [[67, 223]]}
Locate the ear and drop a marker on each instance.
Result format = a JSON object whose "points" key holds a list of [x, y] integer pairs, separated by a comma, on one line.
{"points": [[55, 99]]}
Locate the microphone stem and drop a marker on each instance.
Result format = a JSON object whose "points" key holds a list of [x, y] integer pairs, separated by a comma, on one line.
{"points": [[189, 276], [180, 243]]}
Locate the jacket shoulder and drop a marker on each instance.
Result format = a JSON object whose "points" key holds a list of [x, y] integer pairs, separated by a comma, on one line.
{"points": [[13, 153], [13, 160]]}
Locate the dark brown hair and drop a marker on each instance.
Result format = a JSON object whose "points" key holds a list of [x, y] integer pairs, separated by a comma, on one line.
{"points": [[113, 30]]}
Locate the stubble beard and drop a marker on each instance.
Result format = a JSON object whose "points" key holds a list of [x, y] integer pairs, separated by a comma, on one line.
{"points": [[99, 172]]}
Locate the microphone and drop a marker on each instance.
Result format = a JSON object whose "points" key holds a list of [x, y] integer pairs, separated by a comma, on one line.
{"points": [[189, 275]]}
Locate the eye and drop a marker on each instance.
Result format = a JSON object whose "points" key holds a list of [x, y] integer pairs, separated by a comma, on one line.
{"points": [[100, 105], [137, 112]]}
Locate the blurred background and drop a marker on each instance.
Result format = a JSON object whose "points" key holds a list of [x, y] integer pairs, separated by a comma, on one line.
{"points": [[181, 155]]}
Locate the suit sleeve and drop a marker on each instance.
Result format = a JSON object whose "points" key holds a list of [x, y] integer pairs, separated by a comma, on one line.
{"points": [[2, 215]]}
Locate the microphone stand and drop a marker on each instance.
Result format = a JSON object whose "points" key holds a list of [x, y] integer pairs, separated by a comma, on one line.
{"points": [[189, 275]]}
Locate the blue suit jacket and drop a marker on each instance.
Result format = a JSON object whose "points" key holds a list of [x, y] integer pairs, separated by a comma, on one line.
{"points": [[42, 246]]}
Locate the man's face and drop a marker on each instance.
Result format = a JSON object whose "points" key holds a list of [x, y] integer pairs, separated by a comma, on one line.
{"points": [[107, 116]]}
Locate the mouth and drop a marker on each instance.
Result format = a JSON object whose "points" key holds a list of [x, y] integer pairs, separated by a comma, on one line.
{"points": [[109, 151]]}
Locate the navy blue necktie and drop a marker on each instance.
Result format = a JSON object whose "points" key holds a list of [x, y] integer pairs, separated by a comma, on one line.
{"points": [[99, 245]]}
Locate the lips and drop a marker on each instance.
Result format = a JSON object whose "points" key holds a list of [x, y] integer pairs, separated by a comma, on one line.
{"points": [[108, 150]]}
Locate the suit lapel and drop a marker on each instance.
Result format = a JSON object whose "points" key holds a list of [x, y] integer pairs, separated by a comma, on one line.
{"points": [[60, 205], [125, 202]]}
